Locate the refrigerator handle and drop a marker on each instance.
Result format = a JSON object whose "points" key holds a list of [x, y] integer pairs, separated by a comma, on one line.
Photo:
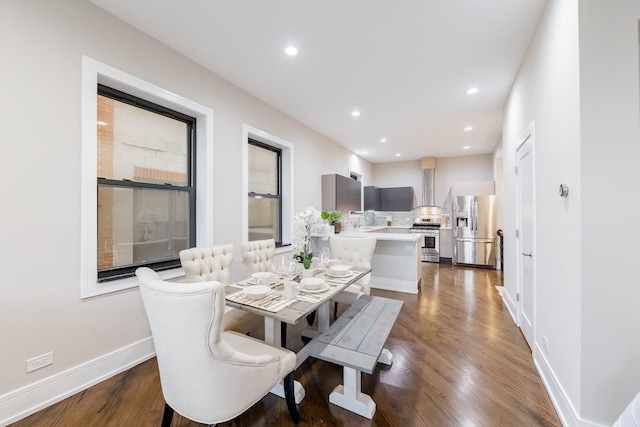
{"points": [[474, 215]]}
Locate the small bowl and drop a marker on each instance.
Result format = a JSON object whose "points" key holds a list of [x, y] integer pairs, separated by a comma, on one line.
{"points": [[263, 275], [340, 270], [312, 283], [256, 292]]}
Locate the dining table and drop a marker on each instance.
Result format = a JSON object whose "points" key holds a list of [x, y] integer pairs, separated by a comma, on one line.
{"points": [[279, 311]]}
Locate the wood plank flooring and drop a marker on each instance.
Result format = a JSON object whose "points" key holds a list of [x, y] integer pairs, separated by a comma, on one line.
{"points": [[459, 360]]}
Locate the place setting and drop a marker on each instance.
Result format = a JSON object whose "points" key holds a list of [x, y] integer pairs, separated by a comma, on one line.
{"points": [[313, 289], [261, 291], [338, 273]]}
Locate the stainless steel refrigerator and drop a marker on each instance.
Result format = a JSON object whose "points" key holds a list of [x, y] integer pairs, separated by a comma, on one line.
{"points": [[475, 230]]}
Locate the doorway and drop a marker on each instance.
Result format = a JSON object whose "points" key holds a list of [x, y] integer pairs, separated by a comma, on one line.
{"points": [[525, 196]]}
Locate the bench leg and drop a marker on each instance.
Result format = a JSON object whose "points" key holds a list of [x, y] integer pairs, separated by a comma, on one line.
{"points": [[385, 357], [349, 396]]}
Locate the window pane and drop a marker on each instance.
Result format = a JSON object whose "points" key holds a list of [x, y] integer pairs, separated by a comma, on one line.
{"points": [[140, 145], [140, 225], [263, 170], [264, 218]]}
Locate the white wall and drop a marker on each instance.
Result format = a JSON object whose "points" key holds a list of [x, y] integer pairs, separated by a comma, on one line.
{"points": [[400, 174], [41, 45], [610, 149], [546, 93], [579, 85], [467, 171]]}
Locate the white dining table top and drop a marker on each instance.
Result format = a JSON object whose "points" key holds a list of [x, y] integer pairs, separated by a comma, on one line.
{"points": [[292, 311]]}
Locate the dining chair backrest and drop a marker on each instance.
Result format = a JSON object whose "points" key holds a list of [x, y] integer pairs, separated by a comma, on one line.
{"points": [[630, 417], [258, 255], [202, 264], [203, 377], [354, 251]]}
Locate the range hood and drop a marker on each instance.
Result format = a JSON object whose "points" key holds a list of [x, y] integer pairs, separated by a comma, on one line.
{"points": [[428, 206]]}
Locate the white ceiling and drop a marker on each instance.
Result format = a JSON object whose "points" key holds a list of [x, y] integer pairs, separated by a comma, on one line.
{"points": [[404, 64]]}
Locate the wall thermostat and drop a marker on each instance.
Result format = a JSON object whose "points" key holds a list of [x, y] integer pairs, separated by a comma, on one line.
{"points": [[564, 190]]}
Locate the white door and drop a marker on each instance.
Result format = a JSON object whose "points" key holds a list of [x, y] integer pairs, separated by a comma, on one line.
{"points": [[526, 228]]}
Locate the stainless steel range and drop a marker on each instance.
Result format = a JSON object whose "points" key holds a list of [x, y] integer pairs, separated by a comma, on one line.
{"points": [[430, 240]]}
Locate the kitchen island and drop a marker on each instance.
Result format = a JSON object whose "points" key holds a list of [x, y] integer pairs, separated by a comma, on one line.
{"points": [[396, 262]]}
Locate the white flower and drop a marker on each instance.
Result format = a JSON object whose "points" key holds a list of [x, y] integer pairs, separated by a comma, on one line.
{"points": [[307, 223]]}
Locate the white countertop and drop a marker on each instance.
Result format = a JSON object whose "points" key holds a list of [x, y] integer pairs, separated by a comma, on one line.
{"points": [[384, 233]]}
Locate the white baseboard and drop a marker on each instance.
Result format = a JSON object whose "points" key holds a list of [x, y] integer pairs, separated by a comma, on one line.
{"points": [[566, 412], [21, 403], [394, 285], [510, 304]]}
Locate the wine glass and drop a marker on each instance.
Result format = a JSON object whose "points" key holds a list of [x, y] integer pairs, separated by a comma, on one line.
{"points": [[286, 264], [325, 254]]}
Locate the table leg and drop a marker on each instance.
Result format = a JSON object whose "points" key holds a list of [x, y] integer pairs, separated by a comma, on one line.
{"points": [[276, 332], [323, 313], [272, 331], [350, 397], [385, 357]]}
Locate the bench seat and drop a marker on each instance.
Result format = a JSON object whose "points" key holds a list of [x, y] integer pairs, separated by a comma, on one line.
{"points": [[356, 341]]}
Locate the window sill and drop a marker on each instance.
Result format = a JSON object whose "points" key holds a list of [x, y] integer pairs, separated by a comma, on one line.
{"points": [[126, 283]]}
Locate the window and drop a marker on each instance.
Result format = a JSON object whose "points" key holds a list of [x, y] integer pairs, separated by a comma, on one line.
{"points": [[265, 204], [146, 190], [159, 208], [268, 184]]}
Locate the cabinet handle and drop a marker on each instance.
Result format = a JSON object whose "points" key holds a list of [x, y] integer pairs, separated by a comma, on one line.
{"points": [[529, 254]]}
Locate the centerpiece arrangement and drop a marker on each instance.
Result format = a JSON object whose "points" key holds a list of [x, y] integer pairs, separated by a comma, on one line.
{"points": [[306, 224]]}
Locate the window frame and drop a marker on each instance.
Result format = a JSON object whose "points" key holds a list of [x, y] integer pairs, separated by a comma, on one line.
{"points": [[189, 188], [94, 73], [278, 196], [286, 171]]}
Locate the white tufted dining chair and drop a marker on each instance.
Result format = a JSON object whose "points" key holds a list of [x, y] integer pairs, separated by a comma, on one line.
{"points": [[213, 263], [258, 255], [357, 252], [630, 417], [208, 375]]}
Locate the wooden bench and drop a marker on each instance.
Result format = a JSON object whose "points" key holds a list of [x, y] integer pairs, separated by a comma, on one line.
{"points": [[356, 341]]}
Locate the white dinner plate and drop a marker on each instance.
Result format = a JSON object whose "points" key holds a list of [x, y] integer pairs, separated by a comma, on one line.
{"points": [[349, 273], [323, 288]]}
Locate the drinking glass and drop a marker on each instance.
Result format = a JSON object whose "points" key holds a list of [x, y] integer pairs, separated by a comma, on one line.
{"points": [[325, 254], [288, 267]]}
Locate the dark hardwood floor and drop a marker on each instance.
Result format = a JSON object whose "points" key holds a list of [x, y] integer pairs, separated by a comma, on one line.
{"points": [[459, 360]]}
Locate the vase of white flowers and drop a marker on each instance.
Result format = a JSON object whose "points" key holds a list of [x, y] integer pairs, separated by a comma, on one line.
{"points": [[306, 224]]}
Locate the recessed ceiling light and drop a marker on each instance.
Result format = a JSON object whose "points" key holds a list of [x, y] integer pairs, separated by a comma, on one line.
{"points": [[468, 128], [291, 51], [398, 154], [466, 147], [472, 90], [383, 140], [355, 113], [364, 152], [102, 123]]}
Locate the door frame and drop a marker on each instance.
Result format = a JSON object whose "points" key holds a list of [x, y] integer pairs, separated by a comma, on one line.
{"points": [[528, 135]]}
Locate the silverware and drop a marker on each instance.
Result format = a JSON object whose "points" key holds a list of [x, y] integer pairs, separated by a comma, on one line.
{"points": [[270, 300]]}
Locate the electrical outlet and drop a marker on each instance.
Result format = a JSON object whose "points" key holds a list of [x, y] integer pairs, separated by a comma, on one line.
{"points": [[545, 344], [40, 362]]}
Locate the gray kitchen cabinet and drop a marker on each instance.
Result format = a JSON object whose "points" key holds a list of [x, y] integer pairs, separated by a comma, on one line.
{"points": [[340, 193], [396, 199], [372, 198]]}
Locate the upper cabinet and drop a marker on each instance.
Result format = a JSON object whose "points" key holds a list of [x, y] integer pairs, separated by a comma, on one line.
{"points": [[340, 193], [396, 199], [372, 198]]}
